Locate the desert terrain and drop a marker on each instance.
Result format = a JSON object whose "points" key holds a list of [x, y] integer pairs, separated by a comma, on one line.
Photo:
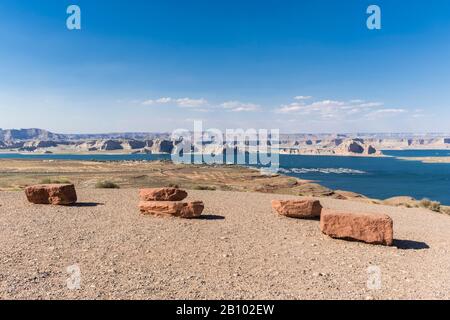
{"points": [[15, 175], [240, 249]]}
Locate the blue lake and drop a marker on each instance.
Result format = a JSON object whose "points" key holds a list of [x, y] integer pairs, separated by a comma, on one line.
{"points": [[374, 177]]}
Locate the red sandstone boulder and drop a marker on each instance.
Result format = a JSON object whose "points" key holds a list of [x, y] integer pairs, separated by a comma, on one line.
{"points": [[173, 208], [308, 208], [162, 194], [56, 194], [366, 227]]}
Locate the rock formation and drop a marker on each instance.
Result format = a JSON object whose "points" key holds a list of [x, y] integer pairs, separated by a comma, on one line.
{"points": [[365, 227], [173, 208], [162, 194], [56, 194], [167, 201], [308, 208]]}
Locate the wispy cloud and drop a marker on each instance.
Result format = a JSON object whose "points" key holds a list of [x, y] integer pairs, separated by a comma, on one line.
{"points": [[337, 110], [237, 106], [385, 112], [180, 102], [302, 97], [203, 105]]}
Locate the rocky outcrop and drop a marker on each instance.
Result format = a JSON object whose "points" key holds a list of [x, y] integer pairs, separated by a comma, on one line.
{"points": [[365, 227], [172, 208], [133, 144], [160, 146], [302, 209], [40, 144], [11, 135], [56, 194], [167, 201], [162, 194], [355, 146], [109, 145]]}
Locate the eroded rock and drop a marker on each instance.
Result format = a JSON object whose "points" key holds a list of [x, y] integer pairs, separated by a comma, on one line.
{"points": [[308, 208], [56, 194], [162, 194], [173, 208], [366, 227]]}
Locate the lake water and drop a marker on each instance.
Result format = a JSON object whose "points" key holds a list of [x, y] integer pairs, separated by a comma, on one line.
{"points": [[374, 177]]}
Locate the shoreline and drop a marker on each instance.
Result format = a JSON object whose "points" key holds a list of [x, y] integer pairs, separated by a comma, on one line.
{"points": [[122, 153], [20, 172], [427, 160], [127, 152]]}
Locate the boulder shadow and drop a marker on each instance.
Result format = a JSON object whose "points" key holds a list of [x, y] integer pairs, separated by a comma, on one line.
{"points": [[87, 204], [410, 245], [210, 217]]}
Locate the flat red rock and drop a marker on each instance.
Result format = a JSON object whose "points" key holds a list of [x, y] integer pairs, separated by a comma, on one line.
{"points": [[56, 194], [308, 208], [366, 227], [162, 194], [173, 208]]}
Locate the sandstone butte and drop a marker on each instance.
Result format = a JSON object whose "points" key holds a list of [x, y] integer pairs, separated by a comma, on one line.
{"points": [[366, 227], [55, 194], [305, 209], [162, 194], [174, 208]]}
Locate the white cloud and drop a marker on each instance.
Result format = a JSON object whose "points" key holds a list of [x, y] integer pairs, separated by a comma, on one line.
{"points": [[371, 104], [385, 112], [164, 100], [202, 105], [148, 102], [303, 97], [191, 103], [237, 106], [291, 108], [181, 102], [326, 110]]}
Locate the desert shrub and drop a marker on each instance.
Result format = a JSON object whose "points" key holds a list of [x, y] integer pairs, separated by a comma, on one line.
{"points": [[445, 209], [208, 188], [432, 205], [173, 185], [54, 181], [226, 188], [106, 185]]}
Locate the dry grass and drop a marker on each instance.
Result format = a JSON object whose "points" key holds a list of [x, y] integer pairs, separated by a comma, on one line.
{"points": [[431, 205]]}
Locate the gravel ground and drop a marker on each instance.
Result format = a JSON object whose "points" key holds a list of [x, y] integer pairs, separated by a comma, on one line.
{"points": [[239, 250]]}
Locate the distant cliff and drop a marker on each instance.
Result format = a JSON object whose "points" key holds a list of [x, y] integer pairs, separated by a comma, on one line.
{"points": [[39, 140]]}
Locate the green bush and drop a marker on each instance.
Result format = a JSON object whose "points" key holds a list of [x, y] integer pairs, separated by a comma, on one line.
{"points": [[106, 185]]}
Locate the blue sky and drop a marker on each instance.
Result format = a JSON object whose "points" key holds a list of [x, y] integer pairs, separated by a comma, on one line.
{"points": [[299, 66]]}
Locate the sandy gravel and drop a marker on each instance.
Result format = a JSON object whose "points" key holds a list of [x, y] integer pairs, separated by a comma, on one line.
{"points": [[240, 250]]}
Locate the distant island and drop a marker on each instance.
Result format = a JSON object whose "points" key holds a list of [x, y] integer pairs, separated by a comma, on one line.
{"points": [[349, 144]]}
